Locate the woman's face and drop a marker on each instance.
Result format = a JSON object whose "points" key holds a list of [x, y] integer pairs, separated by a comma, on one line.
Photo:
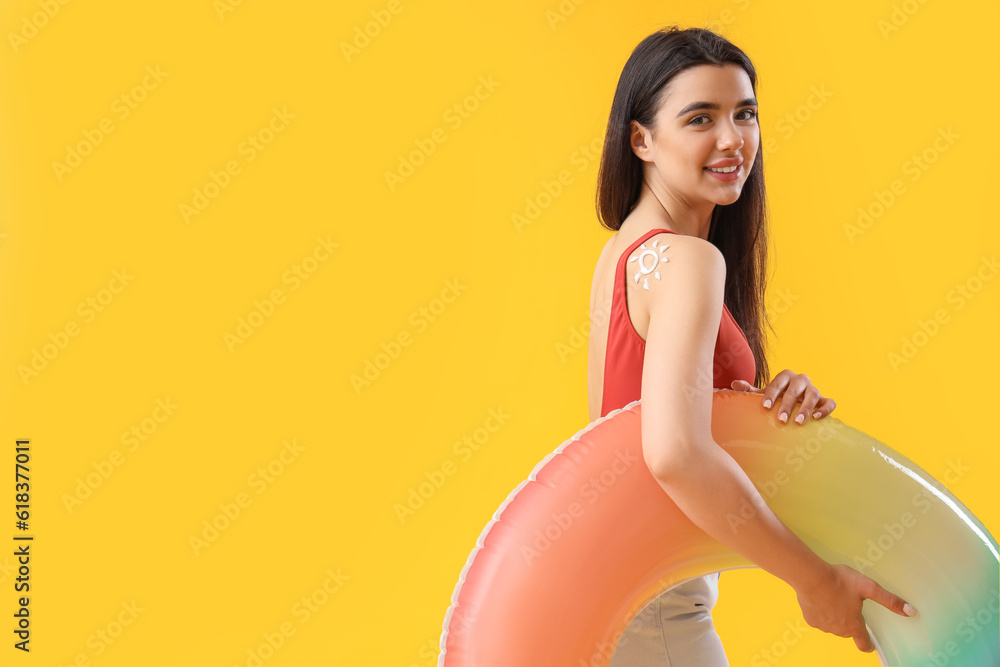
{"points": [[708, 118]]}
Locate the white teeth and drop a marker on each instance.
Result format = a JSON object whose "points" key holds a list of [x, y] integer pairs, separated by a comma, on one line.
{"points": [[725, 170]]}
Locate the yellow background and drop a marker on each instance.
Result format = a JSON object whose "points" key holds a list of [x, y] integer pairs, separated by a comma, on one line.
{"points": [[894, 75]]}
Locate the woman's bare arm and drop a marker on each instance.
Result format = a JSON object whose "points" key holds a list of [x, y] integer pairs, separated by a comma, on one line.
{"points": [[705, 482]]}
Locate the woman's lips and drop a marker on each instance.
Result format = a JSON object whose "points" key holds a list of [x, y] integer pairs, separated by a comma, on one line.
{"points": [[723, 176]]}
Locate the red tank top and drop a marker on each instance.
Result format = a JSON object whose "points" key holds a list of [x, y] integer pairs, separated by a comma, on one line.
{"points": [[626, 349]]}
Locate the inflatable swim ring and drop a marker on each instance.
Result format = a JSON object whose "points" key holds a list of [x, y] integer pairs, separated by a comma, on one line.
{"points": [[582, 545]]}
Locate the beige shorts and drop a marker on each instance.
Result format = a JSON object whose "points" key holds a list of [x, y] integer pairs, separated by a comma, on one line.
{"points": [[675, 629]]}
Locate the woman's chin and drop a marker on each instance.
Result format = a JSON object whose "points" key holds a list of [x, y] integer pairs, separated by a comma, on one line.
{"points": [[728, 197]]}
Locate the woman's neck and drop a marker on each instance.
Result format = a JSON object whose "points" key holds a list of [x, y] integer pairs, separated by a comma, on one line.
{"points": [[652, 213]]}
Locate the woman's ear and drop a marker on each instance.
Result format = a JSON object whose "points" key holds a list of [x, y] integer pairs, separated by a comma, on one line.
{"points": [[639, 140]]}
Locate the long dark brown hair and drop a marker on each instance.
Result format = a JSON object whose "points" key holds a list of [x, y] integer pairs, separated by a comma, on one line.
{"points": [[738, 230]]}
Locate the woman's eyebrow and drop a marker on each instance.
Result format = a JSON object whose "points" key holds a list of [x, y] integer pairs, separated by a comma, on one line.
{"points": [[748, 102]]}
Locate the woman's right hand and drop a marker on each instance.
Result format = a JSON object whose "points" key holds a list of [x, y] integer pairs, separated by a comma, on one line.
{"points": [[833, 603]]}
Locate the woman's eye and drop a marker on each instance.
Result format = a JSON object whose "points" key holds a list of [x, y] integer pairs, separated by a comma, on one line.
{"points": [[748, 114]]}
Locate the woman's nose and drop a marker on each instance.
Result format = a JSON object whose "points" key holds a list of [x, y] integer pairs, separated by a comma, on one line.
{"points": [[731, 138]]}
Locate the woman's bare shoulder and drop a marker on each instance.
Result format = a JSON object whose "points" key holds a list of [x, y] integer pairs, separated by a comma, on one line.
{"points": [[674, 259]]}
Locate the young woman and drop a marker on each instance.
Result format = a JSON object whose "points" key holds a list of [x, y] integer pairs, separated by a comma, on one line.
{"points": [[677, 310]]}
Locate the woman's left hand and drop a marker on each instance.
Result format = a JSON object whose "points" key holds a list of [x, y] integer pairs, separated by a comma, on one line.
{"points": [[791, 387]]}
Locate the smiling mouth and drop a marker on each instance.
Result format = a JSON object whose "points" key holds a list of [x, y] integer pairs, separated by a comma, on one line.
{"points": [[731, 174]]}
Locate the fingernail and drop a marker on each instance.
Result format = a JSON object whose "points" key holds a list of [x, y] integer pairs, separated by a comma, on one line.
{"points": [[767, 402], [817, 414], [908, 610], [783, 417], [801, 418]]}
